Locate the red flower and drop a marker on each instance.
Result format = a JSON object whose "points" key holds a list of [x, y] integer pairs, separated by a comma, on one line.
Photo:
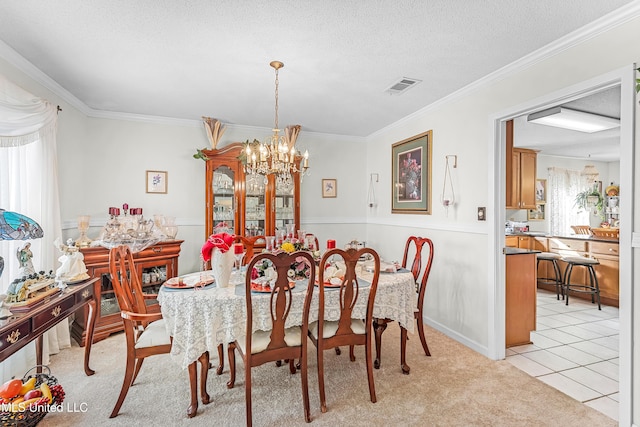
{"points": [[221, 241]]}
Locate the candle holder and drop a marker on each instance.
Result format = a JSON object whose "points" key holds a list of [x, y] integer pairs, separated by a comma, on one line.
{"points": [[83, 241]]}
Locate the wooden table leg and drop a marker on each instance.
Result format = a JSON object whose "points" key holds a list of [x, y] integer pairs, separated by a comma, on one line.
{"points": [[204, 363], [193, 386], [220, 359], [379, 326], [91, 320], [39, 345], [403, 351]]}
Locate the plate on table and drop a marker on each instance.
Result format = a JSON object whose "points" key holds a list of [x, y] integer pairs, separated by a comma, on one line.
{"points": [[329, 284], [385, 267], [265, 286], [188, 282]]}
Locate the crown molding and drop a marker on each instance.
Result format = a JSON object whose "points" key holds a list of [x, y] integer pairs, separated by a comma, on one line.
{"points": [[18, 61], [606, 23]]}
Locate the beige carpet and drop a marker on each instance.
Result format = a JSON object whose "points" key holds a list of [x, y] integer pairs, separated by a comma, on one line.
{"points": [[454, 387]]}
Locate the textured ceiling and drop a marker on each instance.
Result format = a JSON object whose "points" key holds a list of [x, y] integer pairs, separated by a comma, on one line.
{"points": [[186, 59]]}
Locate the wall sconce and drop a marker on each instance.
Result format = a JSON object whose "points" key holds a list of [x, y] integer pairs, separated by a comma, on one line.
{"points": [[448, 197], [371, 196]]}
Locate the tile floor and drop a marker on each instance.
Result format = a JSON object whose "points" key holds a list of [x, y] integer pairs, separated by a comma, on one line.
{"points": [[575, 350]]}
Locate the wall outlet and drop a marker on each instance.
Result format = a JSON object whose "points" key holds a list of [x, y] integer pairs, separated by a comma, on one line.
{"points": [[482, 213]]}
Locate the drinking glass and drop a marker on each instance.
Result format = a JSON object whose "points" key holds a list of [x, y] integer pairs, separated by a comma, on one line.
{"points": [[270, 242], [238, 252], [290, 230]]}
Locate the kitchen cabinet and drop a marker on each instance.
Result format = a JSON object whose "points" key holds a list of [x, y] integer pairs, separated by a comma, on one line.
{"points": [[608, 272], [158, 262], [522, 242], [520, 303], [521, 174], [250, 205], [511, 241]]}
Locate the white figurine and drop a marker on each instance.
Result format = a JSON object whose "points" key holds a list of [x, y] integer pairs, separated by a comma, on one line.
{"points": [[25, 259], [72, 268]]}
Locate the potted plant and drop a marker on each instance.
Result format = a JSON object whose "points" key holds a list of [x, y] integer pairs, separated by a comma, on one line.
{"points": [[590, 199]]}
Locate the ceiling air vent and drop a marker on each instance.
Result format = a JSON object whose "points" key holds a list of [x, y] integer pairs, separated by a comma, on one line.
{"points": [[402, 85]]}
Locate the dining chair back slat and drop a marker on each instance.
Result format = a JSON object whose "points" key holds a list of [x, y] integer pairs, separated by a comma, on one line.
{"points": [[251, 244]]}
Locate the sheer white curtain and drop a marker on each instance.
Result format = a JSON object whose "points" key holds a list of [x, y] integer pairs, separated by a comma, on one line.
{"points": [[29, 185], [562, 187]]}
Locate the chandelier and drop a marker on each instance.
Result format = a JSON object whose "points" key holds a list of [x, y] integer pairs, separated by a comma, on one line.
{"points": [[277, 155]]}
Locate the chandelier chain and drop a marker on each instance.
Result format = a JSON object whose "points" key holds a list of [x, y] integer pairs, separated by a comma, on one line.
{"points": [[277, 83]]}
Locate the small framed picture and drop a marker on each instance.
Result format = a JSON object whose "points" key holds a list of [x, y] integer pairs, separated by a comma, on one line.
{"points": [[157, 182], [536, 214], [329, 188], [541, 191]]}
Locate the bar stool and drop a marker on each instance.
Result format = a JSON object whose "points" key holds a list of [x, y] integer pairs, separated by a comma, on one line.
{"points": [[556, 280], [592, 288]]}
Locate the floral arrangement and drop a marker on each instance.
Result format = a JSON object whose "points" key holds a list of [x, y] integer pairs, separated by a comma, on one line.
{"points": [[410, 173], [299, 268], [222, 241]]}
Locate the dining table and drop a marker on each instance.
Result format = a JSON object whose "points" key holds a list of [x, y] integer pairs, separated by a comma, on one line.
{"points": [[201, 319]]}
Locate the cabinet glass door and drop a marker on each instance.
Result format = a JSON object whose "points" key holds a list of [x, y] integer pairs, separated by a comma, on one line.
{"points": [[254, 206], [223, 197], [284, 205]]}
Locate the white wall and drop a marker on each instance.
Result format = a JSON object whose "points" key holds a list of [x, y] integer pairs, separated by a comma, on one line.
{"points": [[102, 163], [460, 127]]}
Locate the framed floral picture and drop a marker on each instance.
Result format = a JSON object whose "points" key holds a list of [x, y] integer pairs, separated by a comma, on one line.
{"points": [[329, 188], [157, 182], [411, 174]]}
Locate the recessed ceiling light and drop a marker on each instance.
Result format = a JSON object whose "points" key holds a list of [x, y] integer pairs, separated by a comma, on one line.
{"points": [[572, 119]]}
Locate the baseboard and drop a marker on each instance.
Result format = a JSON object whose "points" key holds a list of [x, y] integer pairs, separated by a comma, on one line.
{"points": [[457, 336]]}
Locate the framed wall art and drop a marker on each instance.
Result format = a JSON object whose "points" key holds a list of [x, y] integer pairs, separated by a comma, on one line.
{"points": [[541, 191], [157, 182], [411, 174], [536, 214], [329, 188]]}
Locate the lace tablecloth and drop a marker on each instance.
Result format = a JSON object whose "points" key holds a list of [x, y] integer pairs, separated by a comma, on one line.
{"points": [[199, 320]]}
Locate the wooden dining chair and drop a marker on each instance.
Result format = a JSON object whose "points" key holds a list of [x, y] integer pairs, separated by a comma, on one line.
{"points": [[414, 245], [280, 343], [346, 331], [145, 332], [252, 245]]}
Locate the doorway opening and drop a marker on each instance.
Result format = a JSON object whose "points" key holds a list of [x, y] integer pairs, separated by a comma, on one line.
{"points": [[624, 78]]}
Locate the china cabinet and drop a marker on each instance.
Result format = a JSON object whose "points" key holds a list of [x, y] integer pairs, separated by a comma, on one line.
{"points": [[154, 265], [249, 204], [521, 174]]}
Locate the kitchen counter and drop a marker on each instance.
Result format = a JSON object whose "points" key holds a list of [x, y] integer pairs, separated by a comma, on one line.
{"points": [[519, 251], [571, 236]]}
